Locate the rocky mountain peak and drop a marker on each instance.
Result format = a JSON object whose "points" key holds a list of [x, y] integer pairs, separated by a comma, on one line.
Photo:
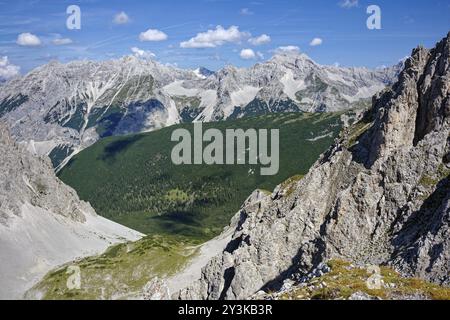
{"points": [[415, 106], [295, 59], [290, 55]]}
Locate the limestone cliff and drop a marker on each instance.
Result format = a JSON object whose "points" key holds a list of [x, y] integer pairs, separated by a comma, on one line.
{"points": [[43, 223]]}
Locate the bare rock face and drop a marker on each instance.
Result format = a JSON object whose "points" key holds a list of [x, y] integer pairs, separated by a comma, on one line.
{"points": [[156, 289], [380, 195], [43, 223], [28, 179]]}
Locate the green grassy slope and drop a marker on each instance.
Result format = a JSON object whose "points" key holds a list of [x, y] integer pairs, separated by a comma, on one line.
{"points": [[119, 273], [132, 180]]}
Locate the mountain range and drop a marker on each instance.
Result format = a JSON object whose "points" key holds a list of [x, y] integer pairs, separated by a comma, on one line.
{"points": [[60, 109]]}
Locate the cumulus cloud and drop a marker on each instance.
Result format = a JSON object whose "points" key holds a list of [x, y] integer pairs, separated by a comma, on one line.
{"points": [[121, 18], [153, 35], [316, 42], [247, 54], [172, 65], [61, 41], [246, 12], [262, 39], [8, 70], [142, 53], [349, 3], [289, 49], [28, 40], [216, 37]]}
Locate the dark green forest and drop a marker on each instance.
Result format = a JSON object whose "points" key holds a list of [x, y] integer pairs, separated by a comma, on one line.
{"points": [[132, 180]]}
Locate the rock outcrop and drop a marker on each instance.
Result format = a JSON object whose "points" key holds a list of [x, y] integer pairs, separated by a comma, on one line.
{"points": [[380, 195], [43, 223], [26, 179]]}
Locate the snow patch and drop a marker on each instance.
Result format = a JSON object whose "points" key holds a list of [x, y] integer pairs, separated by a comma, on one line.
{"points": [[337, 77], [39, 148], [328, 135], [241, 98], [208, 102], [364, 93], [176, 89], [292, 86], [199, 74], [173, 116]]}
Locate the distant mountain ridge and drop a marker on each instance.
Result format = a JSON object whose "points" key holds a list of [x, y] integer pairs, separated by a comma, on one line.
{"points": [[59, 109]]}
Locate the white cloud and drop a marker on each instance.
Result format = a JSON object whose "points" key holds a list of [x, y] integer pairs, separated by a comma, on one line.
{"points": [[216, 37], [316, 42], [121, 18], [293, 49], [246, 12], [61, 41], [349, 3], [172, 65], [7, 70], [247, 54], [260, 55], [142, 53], [153, 35], [28, 40], [262, 39]]}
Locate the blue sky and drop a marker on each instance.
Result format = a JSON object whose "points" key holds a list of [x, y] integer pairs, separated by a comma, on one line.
{"points": [[181, 27]]}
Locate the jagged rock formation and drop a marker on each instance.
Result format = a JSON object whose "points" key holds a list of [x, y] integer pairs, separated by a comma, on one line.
{"points": [[59, 109], [42, 222], [380, 195]]}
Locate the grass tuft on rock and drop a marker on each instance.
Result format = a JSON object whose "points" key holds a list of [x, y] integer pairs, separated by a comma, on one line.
{"points": [[344, 280]]}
